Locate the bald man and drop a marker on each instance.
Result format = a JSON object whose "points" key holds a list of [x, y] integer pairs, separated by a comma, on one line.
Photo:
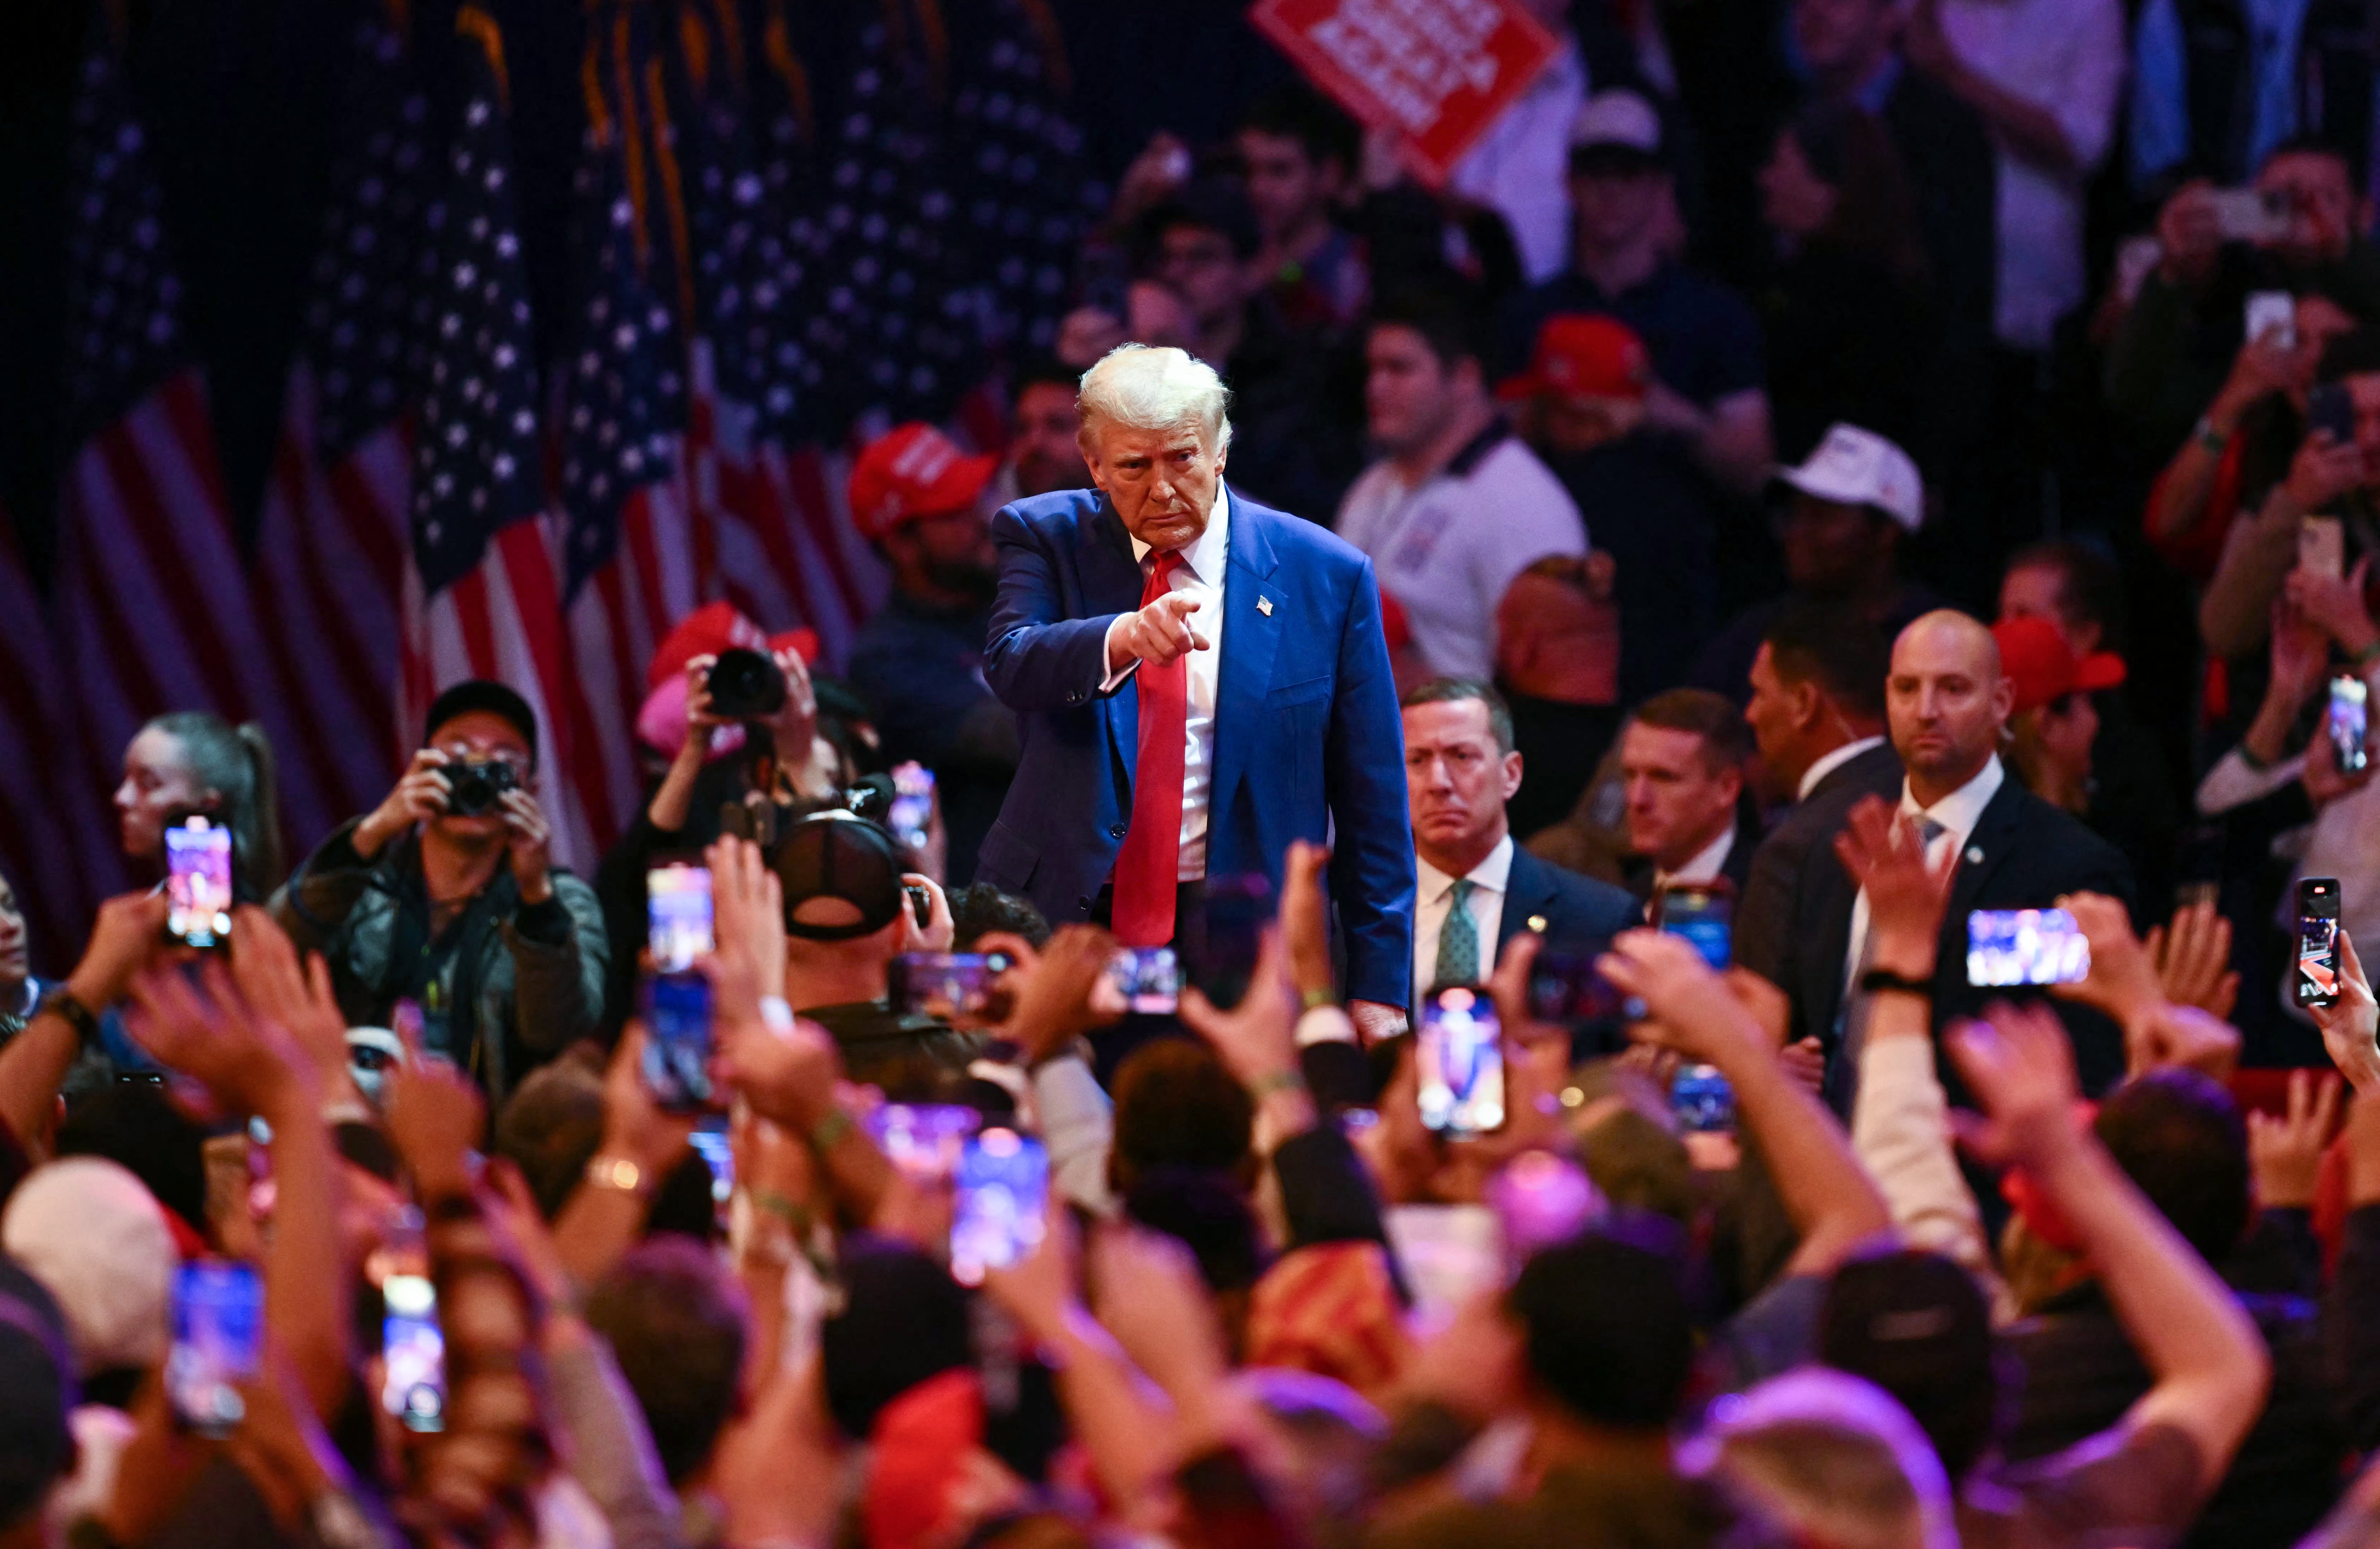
{"points": [[1947, 710]]}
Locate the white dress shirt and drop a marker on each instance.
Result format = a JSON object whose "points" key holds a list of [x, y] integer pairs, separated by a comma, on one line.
{"points": [[1201, 575], [1705, 865], [1828, 762], [1958, 812], [1434, 894]]}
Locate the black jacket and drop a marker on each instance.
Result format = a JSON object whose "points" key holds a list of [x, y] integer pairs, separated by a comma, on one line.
{"points": [[2022, 854], [1579, 913], [1778, 894]]}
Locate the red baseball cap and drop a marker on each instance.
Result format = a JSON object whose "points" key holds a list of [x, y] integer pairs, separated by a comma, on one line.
{"points": [[1585, 355], [914, 471], [710, 629], [2044, 667]]}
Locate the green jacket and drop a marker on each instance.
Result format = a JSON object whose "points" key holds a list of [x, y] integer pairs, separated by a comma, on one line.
{"points": [[517, 982]]}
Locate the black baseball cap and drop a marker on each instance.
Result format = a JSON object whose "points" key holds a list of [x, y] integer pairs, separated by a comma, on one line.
{"points": [[482, 694], [840, 855], [1917, 1326]]}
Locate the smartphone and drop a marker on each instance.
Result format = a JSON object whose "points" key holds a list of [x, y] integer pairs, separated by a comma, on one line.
{"points": [[718, 1154], [946, 985], [2349, 729], [218, 1342], [413, 1353], [1238, 908], [912, 812], [2025, 946], [2252, 214], [1702, 1100], [2329, 406], [678, 912], [1150, 979], [2272, 312], [1458, 1056], [677, 1041], [197, 882], [2317, 979], [923, 1139], [1004, 1188], [2322, 546], [1705, 916]]}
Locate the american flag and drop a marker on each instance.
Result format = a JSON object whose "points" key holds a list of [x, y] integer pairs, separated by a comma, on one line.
{"points": [[152, 596], [629, 568], [330, 549], [769, 483], [480, 596], [34, 854]]}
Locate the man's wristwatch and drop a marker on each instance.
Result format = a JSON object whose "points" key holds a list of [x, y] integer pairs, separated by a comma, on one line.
{"points": [[1878, 980], [77, 1016]]}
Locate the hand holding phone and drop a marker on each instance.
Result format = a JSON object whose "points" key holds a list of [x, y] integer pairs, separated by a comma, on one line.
{"points": [[2025, 946], [676, 1065], [952, 985], [1703, 914], [413, 1353], [2348, 725], [1150, 979], [1003, 1198], [678, 905], [218, 1343], [2316, 981]]}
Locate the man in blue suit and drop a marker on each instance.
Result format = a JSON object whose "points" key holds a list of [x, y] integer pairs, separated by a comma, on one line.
{"points": [[1201, 681], [1477, 888]]}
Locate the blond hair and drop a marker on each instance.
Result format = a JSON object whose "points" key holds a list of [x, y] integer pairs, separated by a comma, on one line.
{"points": [[1147, 388]]}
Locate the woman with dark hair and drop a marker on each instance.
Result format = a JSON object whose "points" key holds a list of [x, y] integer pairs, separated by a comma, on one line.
{"points": [[196, 761], [1845, 307]]}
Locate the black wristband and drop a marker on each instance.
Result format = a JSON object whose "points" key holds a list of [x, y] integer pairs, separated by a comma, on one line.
{"points": [[78, 1016], [1876, 981]]}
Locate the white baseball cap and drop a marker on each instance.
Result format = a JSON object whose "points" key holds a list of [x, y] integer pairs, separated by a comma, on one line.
{"points": [[1859, 467], [96, 1239], [1619, 117]]}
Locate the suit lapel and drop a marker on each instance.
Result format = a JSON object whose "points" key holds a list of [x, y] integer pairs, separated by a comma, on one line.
{"points": [[1528, 892], [1251, 637], [1991, 843], [1112, 583]]}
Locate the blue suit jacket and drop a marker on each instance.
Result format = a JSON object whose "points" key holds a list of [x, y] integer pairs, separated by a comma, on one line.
{"points": [[1306, 728]]}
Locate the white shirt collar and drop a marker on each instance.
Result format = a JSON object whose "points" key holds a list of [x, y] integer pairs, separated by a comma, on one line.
{"points": [[1705, 864], [1961, 810], [1830, 762], [1495, 874], [1206, 557]]}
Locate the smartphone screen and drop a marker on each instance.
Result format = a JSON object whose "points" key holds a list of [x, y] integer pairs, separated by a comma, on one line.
{"points": [[912, 811], [218, 1342], [678, 1040], [2317, 976], [1004, 1188], [2322, 546], [923, 1139], [2350, 727], [1705, 916], [718, 1154], [2025, 946], [197, 882], [1148, 978], [678, 909], [1564, 986], [946, 985], [1458, 1056], [1702, 1101], [413, 1353], [2273, 313]]}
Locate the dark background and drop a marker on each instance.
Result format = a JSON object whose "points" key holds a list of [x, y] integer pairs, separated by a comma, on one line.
{"points": [[240, 97]]}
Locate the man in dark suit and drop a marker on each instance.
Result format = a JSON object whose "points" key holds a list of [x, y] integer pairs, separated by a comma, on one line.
{"points": [[1947, 704], [1817, 713], [1478, 889], [1682, 760], [1201, 681]]}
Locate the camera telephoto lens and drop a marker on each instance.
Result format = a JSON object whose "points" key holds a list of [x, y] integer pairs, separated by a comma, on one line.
{"points": [[745, 685]]}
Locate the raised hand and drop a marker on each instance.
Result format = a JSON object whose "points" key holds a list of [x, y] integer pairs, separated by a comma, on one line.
{"points": [[531, 838], [435, 1116], [2193, 959], [207, 1032], [2285, 1150], [298, 997], [2349, 1024], [127, 934], [421, 794], [2123, 980], [1691, 1011], [1880, 848], [1055, 998], [747, 909], [2017, 1063]]}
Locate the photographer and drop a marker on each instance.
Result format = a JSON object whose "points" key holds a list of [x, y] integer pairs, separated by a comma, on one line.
{"points": [[443, 895]]}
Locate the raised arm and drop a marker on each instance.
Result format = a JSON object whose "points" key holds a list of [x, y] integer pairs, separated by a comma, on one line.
{"points": [[1035, 658], [1363, 769], [2207, 1361]]}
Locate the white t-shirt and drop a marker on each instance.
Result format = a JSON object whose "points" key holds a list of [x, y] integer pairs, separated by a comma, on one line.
{"points": [[1448, 549]]}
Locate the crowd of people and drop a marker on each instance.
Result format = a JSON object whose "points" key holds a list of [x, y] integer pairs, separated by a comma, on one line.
{"points": [[1730, 549]]}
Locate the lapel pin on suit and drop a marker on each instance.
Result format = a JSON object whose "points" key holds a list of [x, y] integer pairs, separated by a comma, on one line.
{"points": [[1264, 606], [1974, 854]]}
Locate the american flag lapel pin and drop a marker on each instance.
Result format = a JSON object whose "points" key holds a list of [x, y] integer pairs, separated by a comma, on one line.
{"points": [[1264, 606]]}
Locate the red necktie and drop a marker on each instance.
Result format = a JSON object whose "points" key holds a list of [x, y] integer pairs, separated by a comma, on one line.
{"points": [[1148, 866]]}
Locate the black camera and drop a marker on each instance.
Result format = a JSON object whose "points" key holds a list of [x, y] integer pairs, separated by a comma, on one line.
{"points": [[745, 685], [478, 787]]}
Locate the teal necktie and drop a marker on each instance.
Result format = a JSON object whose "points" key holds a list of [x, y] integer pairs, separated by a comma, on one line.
{"points": [[1457, 939]]}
